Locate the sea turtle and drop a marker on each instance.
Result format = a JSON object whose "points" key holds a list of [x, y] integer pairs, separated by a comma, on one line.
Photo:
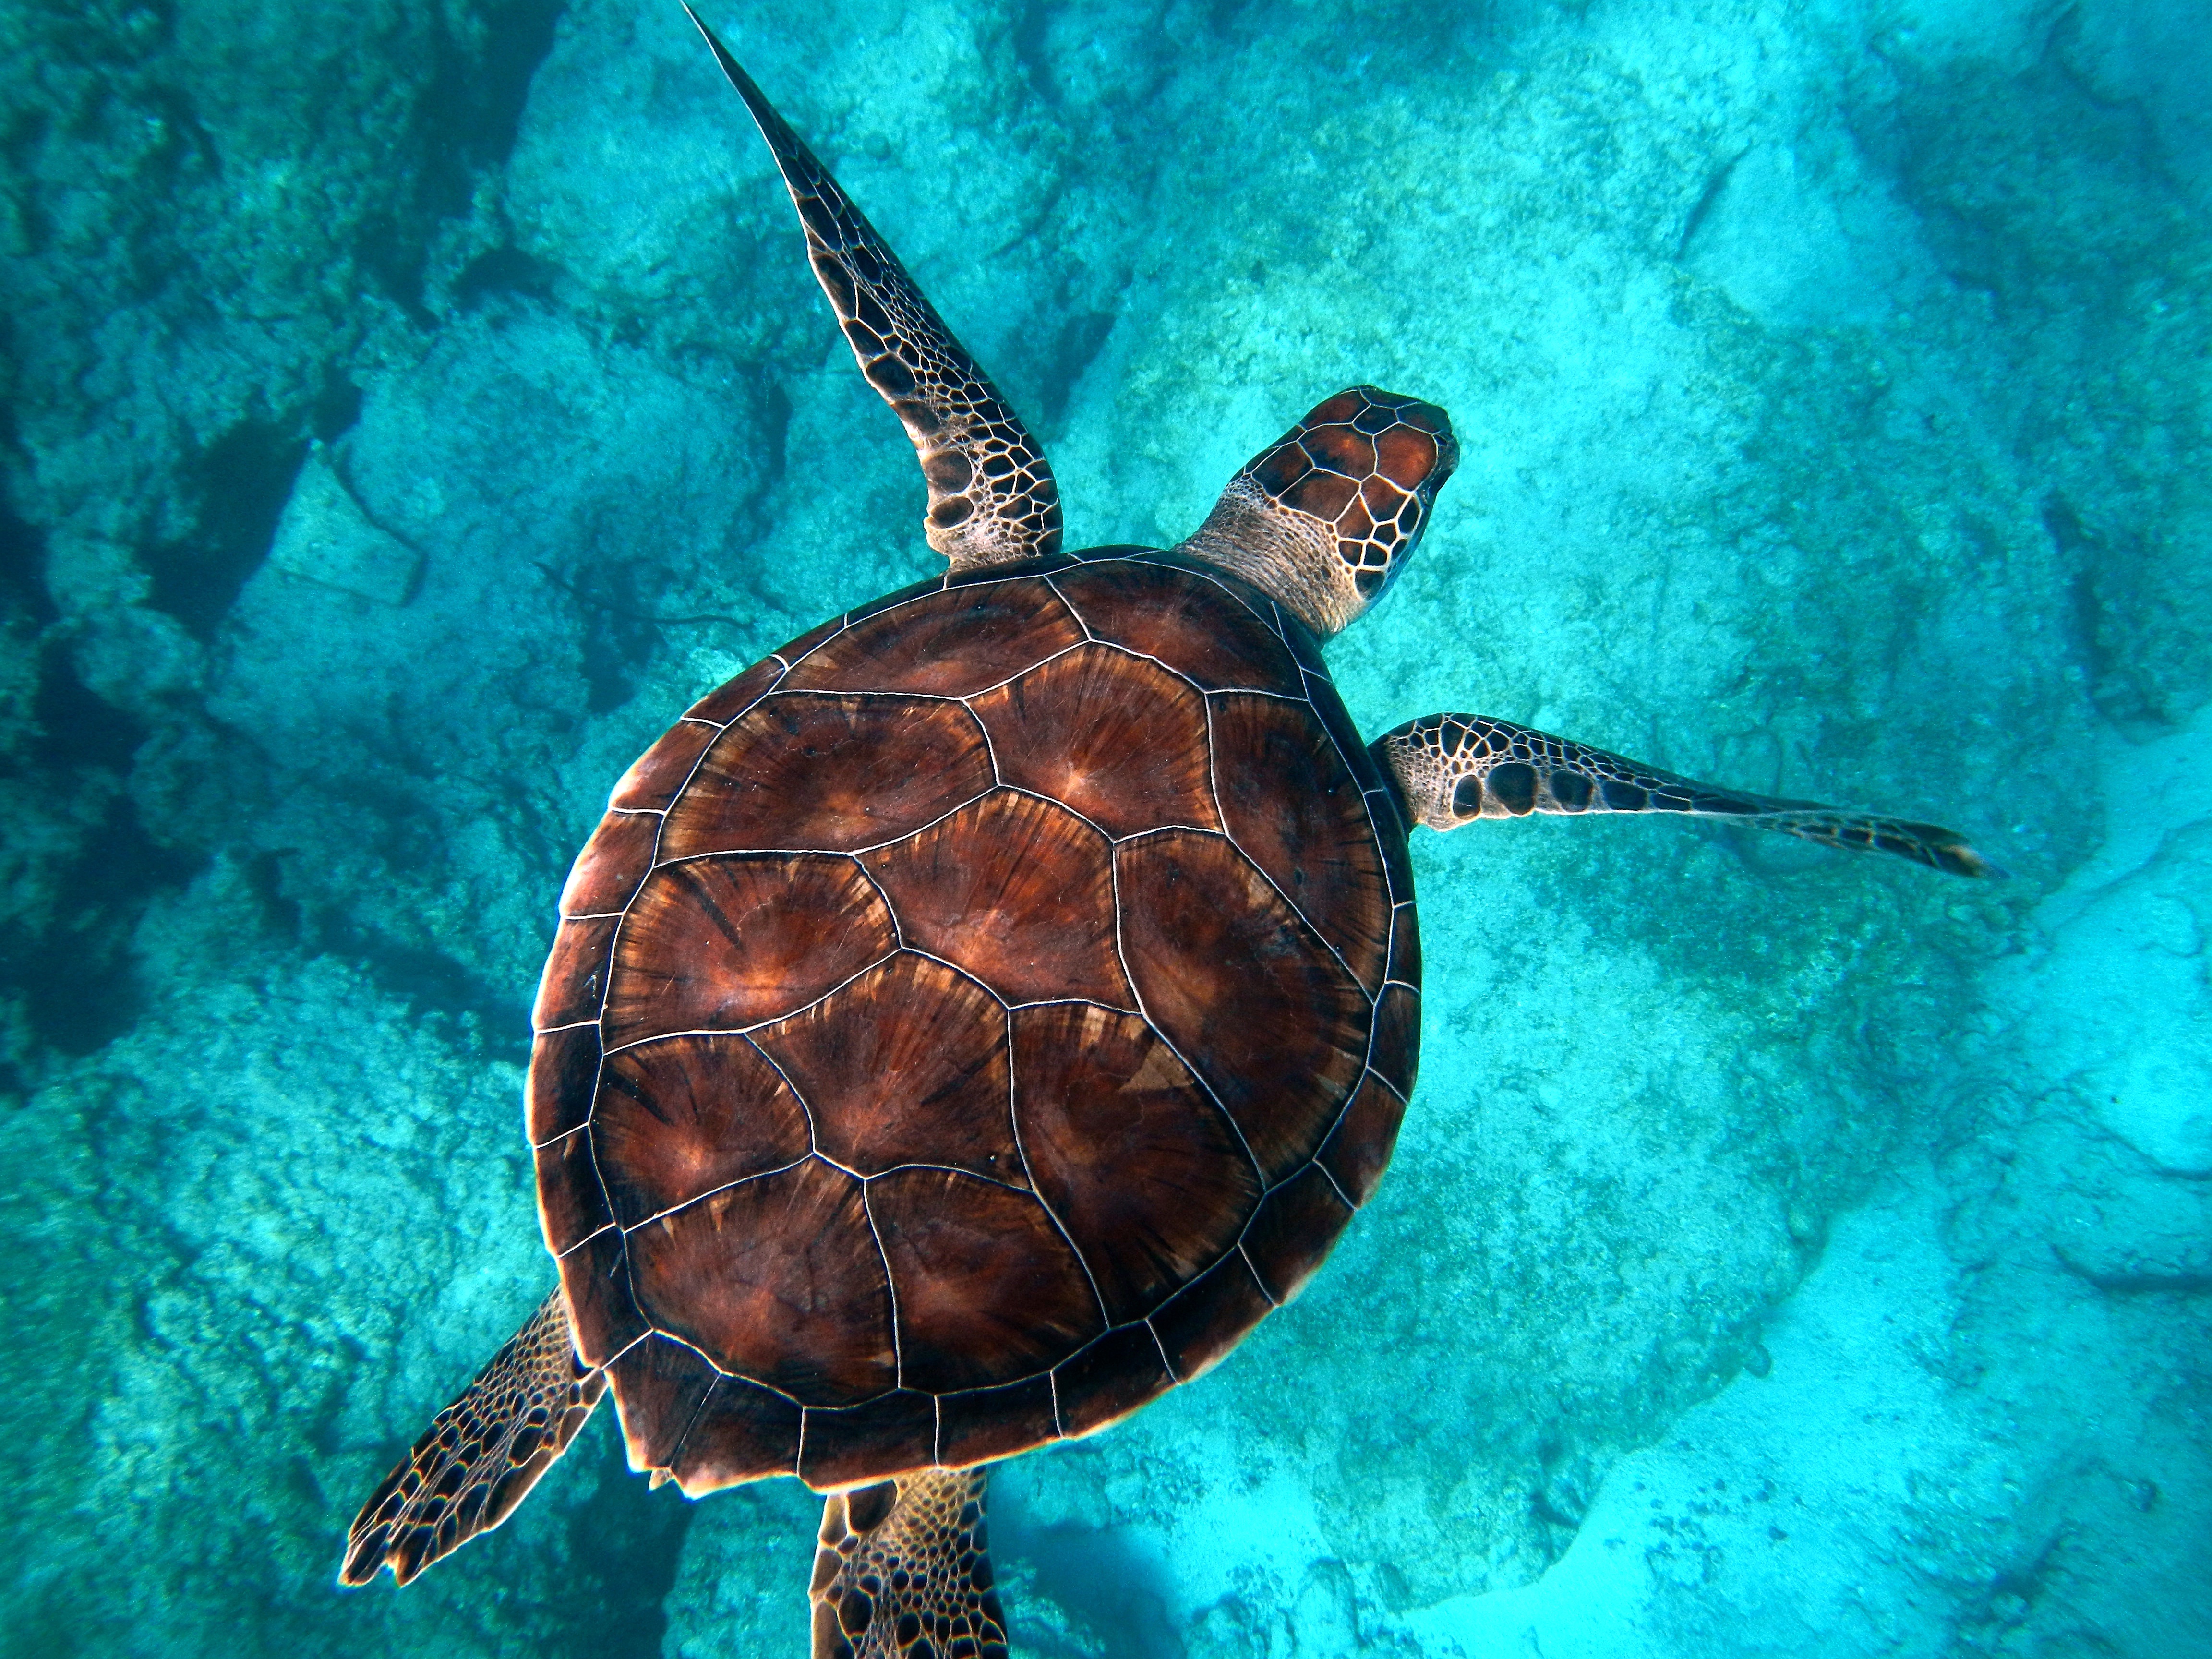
{"points": [[971, 1020]]}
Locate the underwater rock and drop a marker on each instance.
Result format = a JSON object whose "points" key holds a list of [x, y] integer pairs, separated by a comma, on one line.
{"points": [[325, 537]]}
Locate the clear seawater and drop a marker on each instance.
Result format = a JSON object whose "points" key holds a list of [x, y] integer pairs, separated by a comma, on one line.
{"points": [[410, 409]]}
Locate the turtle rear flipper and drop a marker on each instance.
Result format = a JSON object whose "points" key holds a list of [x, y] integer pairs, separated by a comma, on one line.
{"points": [[1451, 769], [903, 1570], [482, 1455]]}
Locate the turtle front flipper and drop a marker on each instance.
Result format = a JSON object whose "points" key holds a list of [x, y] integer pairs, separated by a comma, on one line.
{"points": [[481, 1455], [903, 1570], [992, 496], [1451, 769]]}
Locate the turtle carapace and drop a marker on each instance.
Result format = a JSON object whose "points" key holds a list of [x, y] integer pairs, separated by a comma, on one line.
{"points": [[969, 1021]]}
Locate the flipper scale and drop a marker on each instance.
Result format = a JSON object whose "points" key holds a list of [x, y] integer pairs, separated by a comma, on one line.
{"points": [[903, 1571], [481, 1455], [993, 499], [1451, 769]]}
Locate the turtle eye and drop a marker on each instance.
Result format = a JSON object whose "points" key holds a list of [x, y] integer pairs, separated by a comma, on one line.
{"points": [[1467, 797]]}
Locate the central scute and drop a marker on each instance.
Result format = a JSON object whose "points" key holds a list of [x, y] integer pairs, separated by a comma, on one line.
{"points": [[968, 1023]]}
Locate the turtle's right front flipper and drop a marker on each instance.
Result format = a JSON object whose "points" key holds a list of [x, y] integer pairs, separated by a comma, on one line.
{"points": [[903, 1570], [481, 1455], [992, 496], [1451, 769]]}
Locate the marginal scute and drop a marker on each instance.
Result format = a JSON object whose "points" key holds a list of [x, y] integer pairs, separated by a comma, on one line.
{"points": [[721, 944], [890, 1435], [564, 1072], [660, 1386], [1295, 1227], [573, 985], [1143, 1170], [813, 639], [906, 1064], [1200, 1326], [1245, 991], [1015, 890], [1112, 1377], [612, 864], [1358, 1149], [731, 699], [1406, 946], [778, 1279], [977, 1424], [742, 1432], [949, 642], [1116, 737], [679, 1116], [1398, 1038], [655, 776], [986, 1289], [595, 1277], [572, 1205], [1186, 620], [829, 774], [1295, 809]]}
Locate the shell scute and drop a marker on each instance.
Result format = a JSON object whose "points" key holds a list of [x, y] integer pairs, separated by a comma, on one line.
{"points": [[975, 1424], [1210, 1316], [1397, 1038], [830, 773], [677, 1117], [843, 1445], [1114, 737], [946, 642], [573, 989], [1316, 843], [905, 1064], [660, 1386], [1244, 989], [595, 1279], [1015, 890], [607, 873], [572, 1205], [1295, 1226], [1112, 1377], [722, 944], [1191, 622], [655, 776], [564, 1074], [742, 1432], [1358, 1149], [987, 1290], [779, 1279], [1151, 1180], [732, 698]]}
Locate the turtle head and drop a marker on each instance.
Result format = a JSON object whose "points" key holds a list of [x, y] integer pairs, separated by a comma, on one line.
{"points": [[1325, 518]]}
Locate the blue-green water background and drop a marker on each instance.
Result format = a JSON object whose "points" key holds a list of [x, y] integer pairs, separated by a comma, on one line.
{"points": [[410, 408]]}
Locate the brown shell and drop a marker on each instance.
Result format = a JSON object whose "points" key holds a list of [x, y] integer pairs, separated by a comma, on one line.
{"points": [[969, 1021]]}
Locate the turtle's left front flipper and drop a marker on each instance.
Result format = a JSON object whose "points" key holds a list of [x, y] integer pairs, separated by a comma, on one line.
{"points": [[481, 1455], [992, 496], [1451, 769], [903, 1570]]}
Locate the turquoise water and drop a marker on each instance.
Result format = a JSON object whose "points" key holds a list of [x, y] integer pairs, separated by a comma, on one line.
{"points": [[410, 412]]}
